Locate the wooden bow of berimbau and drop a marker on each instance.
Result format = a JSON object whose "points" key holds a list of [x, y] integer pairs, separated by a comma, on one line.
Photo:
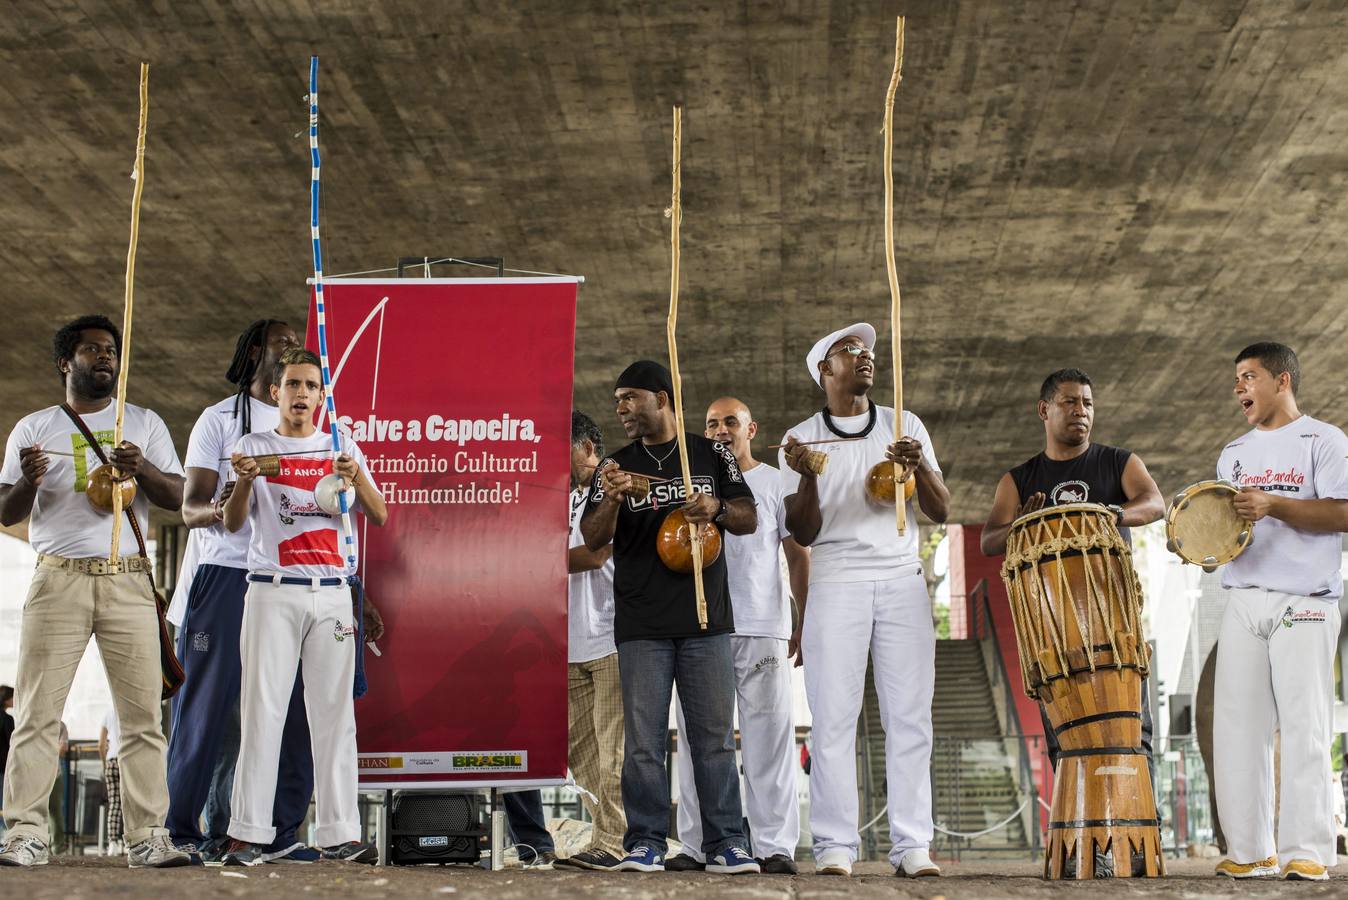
{"points": [[675, 213], [124, 361], [900, 505]]}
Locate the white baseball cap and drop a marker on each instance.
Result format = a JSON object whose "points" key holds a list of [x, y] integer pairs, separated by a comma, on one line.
{"points": [[820, 349]]}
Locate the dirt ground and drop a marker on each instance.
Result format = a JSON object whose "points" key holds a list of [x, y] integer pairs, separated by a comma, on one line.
{"points": [[101, 879]]}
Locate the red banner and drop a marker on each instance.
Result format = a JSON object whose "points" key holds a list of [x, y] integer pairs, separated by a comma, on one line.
{"points": [[459, 393]]}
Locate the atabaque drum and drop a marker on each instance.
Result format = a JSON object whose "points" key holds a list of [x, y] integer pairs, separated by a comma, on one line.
{"points": [[1077, 605], [1203, 528]]}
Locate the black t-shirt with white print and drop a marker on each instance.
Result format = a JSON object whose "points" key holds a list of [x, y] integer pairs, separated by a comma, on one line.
{"points": [[652, 601], [1095, 476]]}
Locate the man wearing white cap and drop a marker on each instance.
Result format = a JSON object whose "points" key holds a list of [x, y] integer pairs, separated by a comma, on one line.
{"points": [[867, 595]]}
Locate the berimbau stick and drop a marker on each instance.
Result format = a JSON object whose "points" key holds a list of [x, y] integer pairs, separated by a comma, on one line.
{"points": [[835, 440], [124, 358], [900, 507], [676, 216]]}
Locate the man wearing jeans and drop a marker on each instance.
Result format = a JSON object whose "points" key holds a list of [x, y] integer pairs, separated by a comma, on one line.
{"points": [[656, 627]]}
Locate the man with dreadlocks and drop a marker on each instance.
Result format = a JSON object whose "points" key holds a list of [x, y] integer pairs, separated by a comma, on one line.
{"points": [[208, 610]]}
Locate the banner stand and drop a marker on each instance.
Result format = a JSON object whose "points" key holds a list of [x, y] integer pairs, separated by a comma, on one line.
{"points": [[496, 819]]}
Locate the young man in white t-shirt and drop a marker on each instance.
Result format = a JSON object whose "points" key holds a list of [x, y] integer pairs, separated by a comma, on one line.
{"points": [[1280, 627], [77, 592], [594, 691], [208, 610], [763, 644], [867, 594], [298, 608]]}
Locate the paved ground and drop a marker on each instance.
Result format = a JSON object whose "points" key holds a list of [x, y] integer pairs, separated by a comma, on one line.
{"points": [[104, 879]]}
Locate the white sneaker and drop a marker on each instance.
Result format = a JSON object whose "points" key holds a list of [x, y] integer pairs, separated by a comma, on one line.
{"points": [[18, 850], [916, 863], [834, 861], [158, 852]]}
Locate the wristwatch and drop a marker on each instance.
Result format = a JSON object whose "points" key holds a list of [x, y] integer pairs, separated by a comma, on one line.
{"points": [[1118, 513], [720, 513]]}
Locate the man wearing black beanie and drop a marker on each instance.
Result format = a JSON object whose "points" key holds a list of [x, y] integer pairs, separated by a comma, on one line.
{"points": [[660, 641]]}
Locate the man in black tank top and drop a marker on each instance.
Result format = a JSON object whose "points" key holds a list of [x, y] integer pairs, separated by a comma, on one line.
{"points": [[1071, 469]]}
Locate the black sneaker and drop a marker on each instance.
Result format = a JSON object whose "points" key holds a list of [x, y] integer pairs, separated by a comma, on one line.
{"points": [[684, 863], [242, 853], [593, 859], [212, 850], [779, 864], [354, 852]]}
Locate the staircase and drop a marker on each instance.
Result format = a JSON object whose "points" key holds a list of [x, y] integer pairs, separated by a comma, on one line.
{"points": [[973, 774]]}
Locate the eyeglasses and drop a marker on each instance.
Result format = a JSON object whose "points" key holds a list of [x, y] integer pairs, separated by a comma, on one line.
{"points": [[852, 350]]}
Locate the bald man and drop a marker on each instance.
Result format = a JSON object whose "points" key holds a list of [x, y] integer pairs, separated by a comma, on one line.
{"points": [[763, 642]]}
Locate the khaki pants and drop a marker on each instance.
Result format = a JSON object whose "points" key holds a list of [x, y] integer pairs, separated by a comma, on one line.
{"points": [[62, 611], [595, 753]]}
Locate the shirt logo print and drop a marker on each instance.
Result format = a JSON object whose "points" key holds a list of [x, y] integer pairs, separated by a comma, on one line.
{"points": [[1069, 492]]}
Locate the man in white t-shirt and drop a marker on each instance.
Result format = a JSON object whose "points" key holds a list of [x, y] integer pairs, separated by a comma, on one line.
{"points": [[763, 644], [208, 610], [1280, 627], [297, 609], [594, 692], [77, 592], [867, 593]]}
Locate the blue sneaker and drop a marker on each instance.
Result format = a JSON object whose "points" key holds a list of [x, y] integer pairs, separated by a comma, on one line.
{"points": [[295, 853], [641, 859], [732, 861]]}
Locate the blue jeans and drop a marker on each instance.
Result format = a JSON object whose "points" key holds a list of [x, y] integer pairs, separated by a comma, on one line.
{"points": [[704, 668], [528, 826]]}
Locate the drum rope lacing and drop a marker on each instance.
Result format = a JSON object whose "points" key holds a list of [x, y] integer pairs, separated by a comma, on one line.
{"points": [[1027, 546]]}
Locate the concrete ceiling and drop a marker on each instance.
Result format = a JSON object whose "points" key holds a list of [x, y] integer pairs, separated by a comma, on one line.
{"points": [[1138, 189]]}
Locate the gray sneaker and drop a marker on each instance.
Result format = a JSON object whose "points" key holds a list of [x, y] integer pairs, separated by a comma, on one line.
{"points": [[23, 851], [158, 852]]}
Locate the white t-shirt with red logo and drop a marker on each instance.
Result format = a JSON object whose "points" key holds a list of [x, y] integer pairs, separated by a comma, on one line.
{"points": [[291, 535], [1303, 460]]}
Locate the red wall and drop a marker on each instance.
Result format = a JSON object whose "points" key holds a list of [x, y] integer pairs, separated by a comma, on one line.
{"points": [[968, 566]]}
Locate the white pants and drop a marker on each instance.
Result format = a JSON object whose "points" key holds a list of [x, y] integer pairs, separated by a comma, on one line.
{"points": [[891, 619], [768, 742], [282, 625], [1275, 670]]}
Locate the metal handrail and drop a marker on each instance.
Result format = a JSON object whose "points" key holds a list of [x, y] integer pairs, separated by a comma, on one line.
{"points": [[950, 749]]}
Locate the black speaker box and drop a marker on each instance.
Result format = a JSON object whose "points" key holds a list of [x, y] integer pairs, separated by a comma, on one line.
{"points": [[435, 827]]}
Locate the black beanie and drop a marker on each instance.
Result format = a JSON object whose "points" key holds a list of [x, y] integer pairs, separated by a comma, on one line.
{"points": [[648, 376]]}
